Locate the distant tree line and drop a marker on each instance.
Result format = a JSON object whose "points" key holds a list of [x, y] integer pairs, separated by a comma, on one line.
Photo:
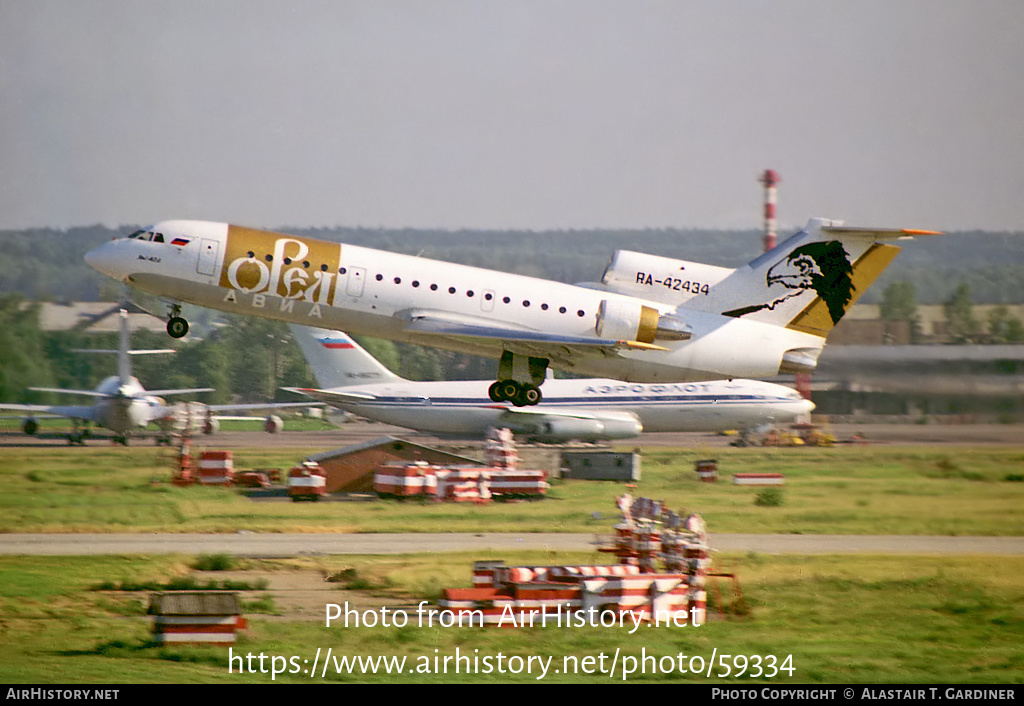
{"points": [[245, 359]]}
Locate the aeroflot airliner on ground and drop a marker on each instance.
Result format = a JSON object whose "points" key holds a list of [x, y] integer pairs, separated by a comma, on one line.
{"points": [[651, 319], [588, 410]]}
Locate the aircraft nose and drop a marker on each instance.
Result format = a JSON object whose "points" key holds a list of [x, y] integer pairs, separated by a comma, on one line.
{"points": [[108, 259]]}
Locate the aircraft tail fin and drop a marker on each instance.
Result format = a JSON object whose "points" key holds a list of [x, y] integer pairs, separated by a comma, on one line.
{"points": [[124, 351], [810, 280], [124, 358], [337, 360]]}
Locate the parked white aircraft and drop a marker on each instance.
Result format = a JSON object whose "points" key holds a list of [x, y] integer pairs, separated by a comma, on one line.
{"points": [[650, 320], [589, 409], [124, 406]]}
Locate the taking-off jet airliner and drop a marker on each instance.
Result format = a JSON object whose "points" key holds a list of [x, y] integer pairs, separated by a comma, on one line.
{"points": [[588, 409], [650, 320]]}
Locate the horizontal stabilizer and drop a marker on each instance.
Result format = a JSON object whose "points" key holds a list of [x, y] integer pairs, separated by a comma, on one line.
{"points": [[878, 233], [87, 393], [116, 352], [188, 391], [332, 396]]}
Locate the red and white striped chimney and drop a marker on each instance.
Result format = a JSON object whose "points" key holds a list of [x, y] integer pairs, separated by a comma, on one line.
{"points": [[769, 179]]}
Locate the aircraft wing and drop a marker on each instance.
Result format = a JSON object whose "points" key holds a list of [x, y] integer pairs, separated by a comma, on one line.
{"points": [[70, 411], [188, 391], [255, 406], [331, 396], [87, 393], [541, 343], [528, 412], [554, 423]]}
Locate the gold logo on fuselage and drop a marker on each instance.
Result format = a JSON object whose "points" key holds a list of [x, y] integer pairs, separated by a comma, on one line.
{"points": [[282, 265]]}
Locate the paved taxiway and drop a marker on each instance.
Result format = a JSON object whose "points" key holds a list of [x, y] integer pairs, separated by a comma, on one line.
{"points": [[253, 544], [358, 432]]}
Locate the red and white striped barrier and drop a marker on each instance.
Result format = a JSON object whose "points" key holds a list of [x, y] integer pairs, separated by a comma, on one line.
{"points": [[459, 484], [405, 480], [216, 468], [208, 630]]}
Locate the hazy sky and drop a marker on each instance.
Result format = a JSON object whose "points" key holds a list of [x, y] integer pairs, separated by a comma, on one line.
{"points": [[512, 113]]}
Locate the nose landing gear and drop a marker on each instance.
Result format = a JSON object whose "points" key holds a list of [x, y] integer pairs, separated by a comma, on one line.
{"points": [[176, 325]]}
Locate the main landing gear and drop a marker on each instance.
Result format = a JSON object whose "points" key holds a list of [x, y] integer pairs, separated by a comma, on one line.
{"points": [[516, 385], [176, 325], [519, 394]]}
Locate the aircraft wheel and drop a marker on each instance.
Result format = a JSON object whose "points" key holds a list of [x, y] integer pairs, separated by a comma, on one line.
{"points": [[531, 394], [177, 327], [509, 390], [494, 392]]}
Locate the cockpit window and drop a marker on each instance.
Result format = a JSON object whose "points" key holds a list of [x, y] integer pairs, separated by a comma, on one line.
{"points": [[147, 235]]}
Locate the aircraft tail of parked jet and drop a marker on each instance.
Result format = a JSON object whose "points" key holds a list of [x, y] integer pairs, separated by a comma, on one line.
{"points": [[336, 360]]}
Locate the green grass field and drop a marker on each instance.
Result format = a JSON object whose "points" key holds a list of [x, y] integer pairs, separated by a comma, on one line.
{"points": [[841, 490], [843, 619]]}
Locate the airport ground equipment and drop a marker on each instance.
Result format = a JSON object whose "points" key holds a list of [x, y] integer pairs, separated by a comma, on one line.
{"points": [[663, 562], [306, 481]]}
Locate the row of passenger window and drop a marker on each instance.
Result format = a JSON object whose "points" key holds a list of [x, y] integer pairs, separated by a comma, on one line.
{"points": [[470, 293], [416, 283]]}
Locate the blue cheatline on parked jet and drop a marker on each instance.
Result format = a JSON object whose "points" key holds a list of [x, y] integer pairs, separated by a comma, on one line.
{"points": [[650, 320], [124, 406], [594, 409]]}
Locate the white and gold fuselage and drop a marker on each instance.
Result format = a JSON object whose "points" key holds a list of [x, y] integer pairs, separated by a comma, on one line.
{"points": [[588, 330]]}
